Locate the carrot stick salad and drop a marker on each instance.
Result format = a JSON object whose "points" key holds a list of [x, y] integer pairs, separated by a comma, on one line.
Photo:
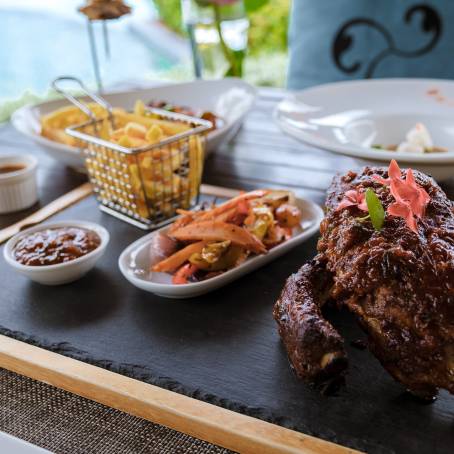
{"points": [[205, 243]]}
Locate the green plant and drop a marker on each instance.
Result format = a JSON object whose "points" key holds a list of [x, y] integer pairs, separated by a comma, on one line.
{"points": [[269, 20], [268, 30], [170, 14]]}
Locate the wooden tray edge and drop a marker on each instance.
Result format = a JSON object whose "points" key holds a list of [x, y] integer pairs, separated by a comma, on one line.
{"points": [[196, 418]]}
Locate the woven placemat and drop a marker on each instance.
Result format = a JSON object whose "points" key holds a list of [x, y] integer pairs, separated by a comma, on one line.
{"points": [[66, 423]]}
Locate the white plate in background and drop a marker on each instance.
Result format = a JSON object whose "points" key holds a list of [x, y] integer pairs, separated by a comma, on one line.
{"points": [[135, 261], [349, 117], [229, 98]]}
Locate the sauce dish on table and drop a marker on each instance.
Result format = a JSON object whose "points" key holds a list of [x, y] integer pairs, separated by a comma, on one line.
{"points": [[18, 188], [57, 253], [356, 118], [136, 260]]}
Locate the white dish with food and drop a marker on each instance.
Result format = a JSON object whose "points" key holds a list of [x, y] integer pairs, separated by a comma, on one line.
{"points": [[230, 99], [18, 189], [29, 255], [137, 259], [369, 119]]}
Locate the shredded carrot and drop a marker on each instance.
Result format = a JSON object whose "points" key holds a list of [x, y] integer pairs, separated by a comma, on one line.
{"points": [[184, 273]]}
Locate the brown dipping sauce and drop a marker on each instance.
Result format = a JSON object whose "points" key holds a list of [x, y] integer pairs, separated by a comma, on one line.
{"points": [[11, 168], [53, 246]]}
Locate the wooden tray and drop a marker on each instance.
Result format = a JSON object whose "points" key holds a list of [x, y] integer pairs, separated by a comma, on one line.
{"points": [[178, 362], [199, 419]]}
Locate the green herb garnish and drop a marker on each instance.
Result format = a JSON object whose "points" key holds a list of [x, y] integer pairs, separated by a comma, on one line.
{"points": [[376, 211]]}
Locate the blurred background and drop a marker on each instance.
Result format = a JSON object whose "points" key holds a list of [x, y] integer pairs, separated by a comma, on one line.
{"points": [[48, 38]]}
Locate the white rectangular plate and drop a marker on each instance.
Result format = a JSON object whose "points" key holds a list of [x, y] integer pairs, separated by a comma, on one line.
{"points": [[231, 99], [134, 262]]}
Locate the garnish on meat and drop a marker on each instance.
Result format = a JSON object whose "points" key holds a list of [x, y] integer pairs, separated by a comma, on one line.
{"points": [[410, 199]]}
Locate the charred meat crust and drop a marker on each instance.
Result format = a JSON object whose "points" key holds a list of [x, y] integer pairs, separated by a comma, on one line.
{"points": [[399, 284], [315, 349]]}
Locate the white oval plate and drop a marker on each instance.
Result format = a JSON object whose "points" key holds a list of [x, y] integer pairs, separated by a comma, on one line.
{"points": [[134, 262], [229, 98], [349, 117]]}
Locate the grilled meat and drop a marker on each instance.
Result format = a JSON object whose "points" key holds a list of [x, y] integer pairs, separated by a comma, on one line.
{"points": [[398, 283]]}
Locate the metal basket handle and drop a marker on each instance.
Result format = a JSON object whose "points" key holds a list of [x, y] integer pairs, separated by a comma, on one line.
{"points": [[80, 104]]}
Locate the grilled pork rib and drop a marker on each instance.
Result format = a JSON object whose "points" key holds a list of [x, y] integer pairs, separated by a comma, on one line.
{"points": [[399, 284]]}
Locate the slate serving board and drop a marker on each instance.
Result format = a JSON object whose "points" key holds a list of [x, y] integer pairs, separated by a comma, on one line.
{"points": [[222, 348]]}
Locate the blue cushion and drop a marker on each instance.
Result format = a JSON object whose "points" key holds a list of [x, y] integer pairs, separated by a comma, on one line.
{"points": [[334, 40]]}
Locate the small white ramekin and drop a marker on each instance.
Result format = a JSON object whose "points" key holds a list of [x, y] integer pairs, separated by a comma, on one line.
{"points": [[61, 273], [18, 189]]}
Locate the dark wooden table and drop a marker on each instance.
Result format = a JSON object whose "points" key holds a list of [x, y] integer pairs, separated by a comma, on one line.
{"points": [[260, 156]]}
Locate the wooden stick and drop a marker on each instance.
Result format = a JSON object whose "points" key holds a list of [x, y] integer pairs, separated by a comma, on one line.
{"points": [[199, 419], [47, 211], [218, 191]]}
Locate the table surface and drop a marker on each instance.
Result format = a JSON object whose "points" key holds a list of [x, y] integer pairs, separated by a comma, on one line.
{"points": [[224, 348]]}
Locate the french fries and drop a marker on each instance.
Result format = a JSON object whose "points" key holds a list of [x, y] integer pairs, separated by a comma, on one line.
{"points": [[169, 128], [53, 124], [158, 179], [133, 129]]}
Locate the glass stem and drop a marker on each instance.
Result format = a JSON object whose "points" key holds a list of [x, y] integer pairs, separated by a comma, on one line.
{"points": [[195, 53], [94, 55], [225, 49]]}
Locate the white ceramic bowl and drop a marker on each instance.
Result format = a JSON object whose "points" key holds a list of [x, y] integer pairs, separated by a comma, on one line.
{"points": [[61, 273], [350, 117], [18, 189]]}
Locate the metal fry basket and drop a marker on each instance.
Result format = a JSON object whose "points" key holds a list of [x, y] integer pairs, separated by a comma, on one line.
{"points": [[147, 184]]}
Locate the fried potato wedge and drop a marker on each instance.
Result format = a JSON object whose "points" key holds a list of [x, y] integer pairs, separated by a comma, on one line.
{"points": [[172, 263], [219, 231]]}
